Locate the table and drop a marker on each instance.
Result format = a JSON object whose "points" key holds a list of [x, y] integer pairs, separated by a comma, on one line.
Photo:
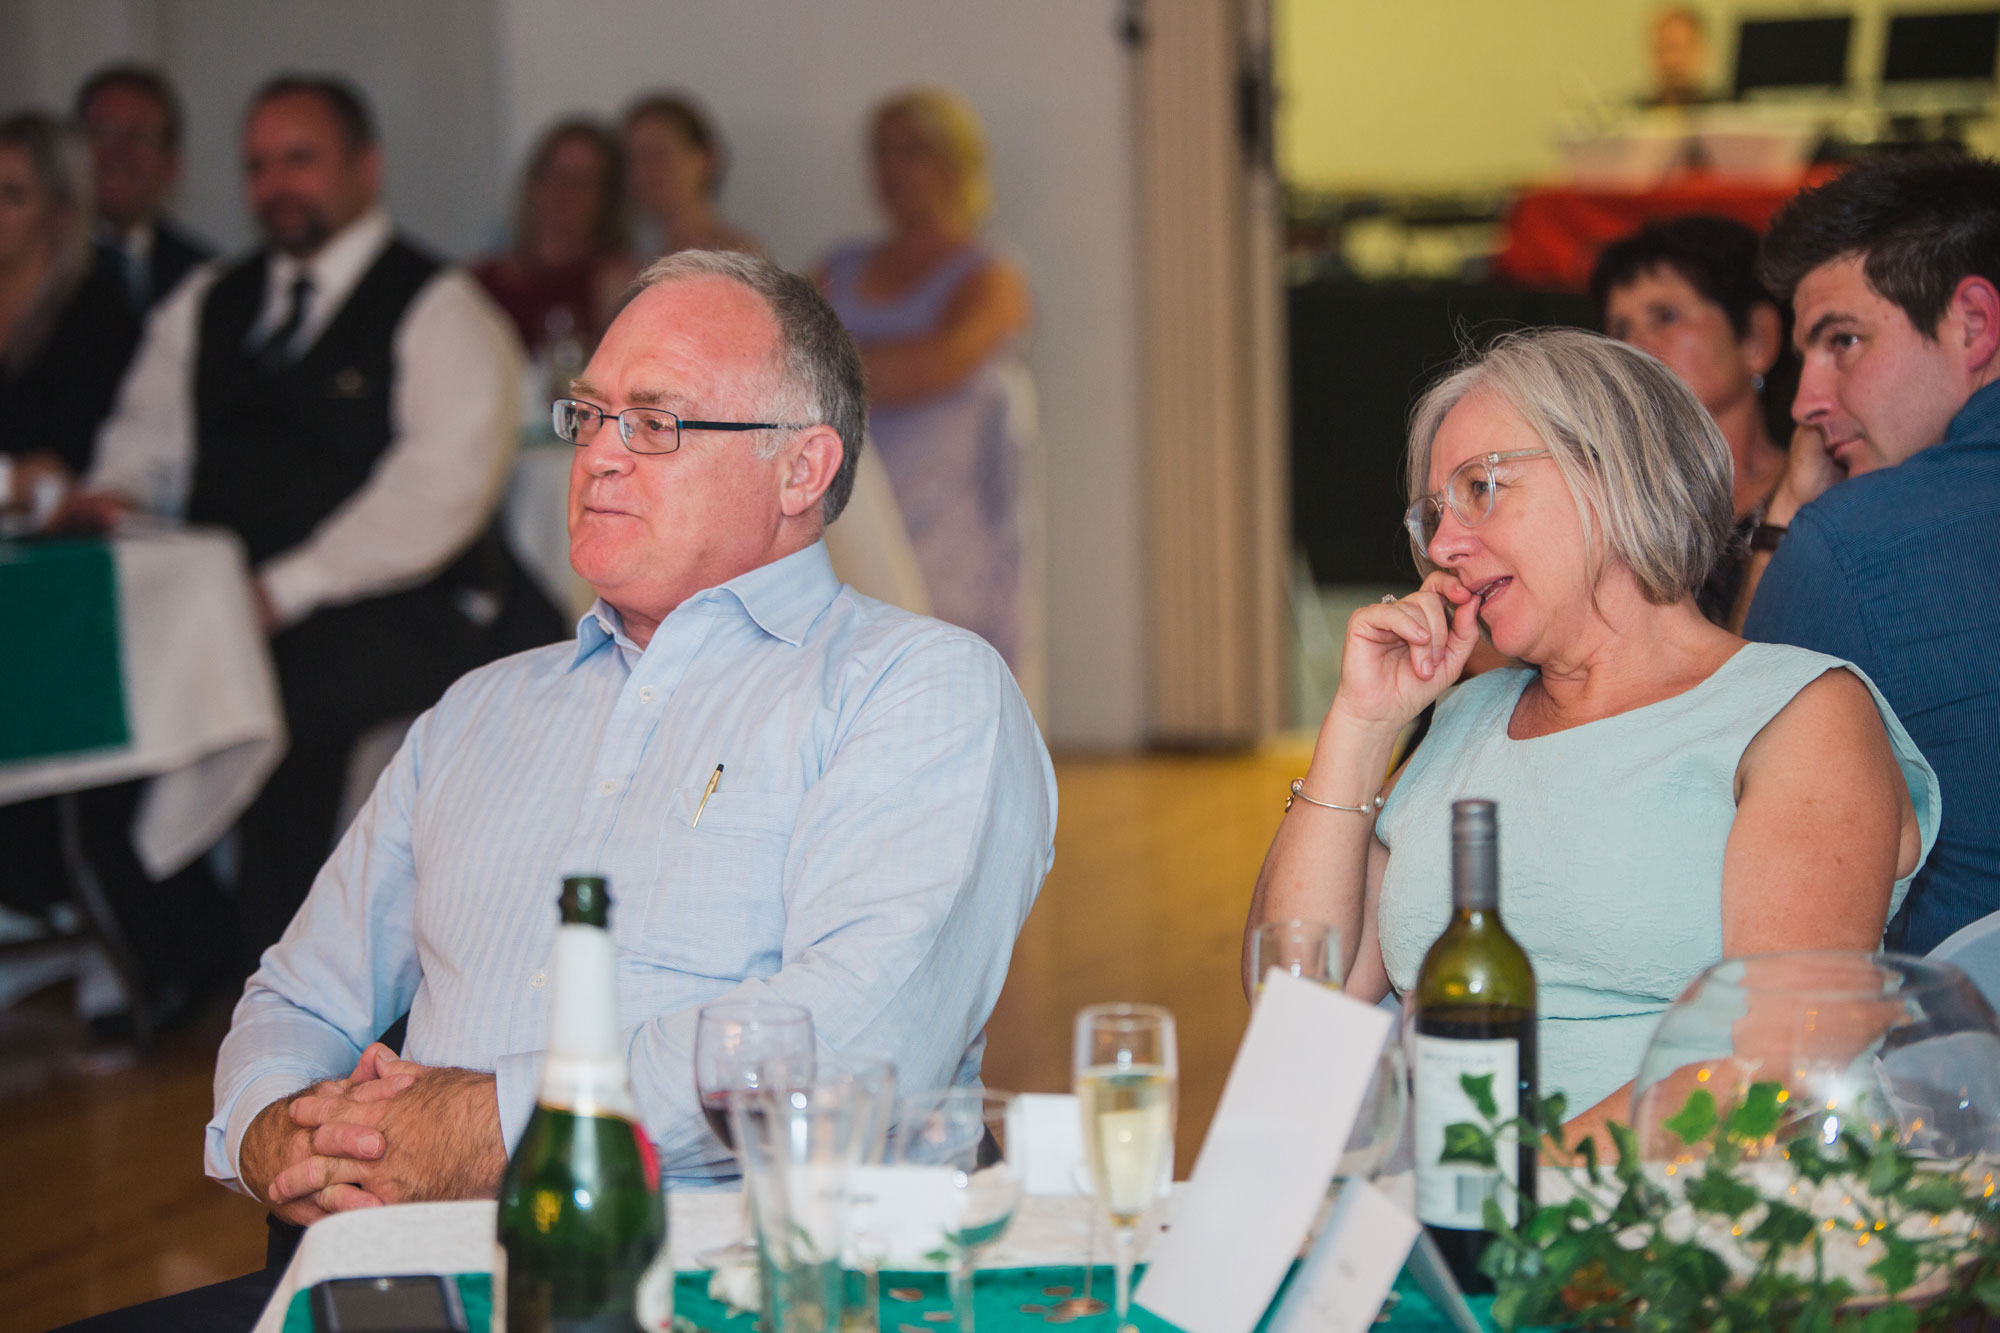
{"points": [[1049, 1233], [182, 658], [1554, 232]]}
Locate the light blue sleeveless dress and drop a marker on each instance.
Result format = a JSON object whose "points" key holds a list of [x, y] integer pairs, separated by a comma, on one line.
{"points": [[953, 460], [1611, 847]]}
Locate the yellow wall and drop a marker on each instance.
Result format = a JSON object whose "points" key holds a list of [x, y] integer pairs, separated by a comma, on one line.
{"points": [[1455, 93]]}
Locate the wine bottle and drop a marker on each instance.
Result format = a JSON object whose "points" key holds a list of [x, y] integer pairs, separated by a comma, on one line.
{"points": [[1473, 1011], [582, 1223]]}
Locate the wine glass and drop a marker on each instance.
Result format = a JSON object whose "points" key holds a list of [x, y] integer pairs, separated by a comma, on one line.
{"points": [[1309, 950], [960, 1136], [744, 1046], [1126, 1076]]}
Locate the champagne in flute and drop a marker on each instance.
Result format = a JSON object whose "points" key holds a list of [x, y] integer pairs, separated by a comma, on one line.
{"points": [[1126, 1076], [1474, 1016], [1128, 1114]]}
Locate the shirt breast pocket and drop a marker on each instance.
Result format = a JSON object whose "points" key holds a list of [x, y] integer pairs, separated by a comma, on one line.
{"points": [[716, 907]]}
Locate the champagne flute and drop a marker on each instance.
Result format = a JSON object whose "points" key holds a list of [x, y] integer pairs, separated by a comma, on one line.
{"points": [[1309, 950], [1126, 1072], [744, 1046]]}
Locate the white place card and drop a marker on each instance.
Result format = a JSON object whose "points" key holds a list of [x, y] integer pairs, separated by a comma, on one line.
{"points": [[1050, 1125], [1428, 1267], [899, 1215], [1285, 1115], [1352, 1265]]}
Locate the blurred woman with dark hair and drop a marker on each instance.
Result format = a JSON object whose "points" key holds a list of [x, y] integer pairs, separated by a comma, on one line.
{"points": [[1687, 292], [571, 260], [66, 329], [675, 162]]}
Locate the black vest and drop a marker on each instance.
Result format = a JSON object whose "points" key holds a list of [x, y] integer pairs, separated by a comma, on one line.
{"points": [[278, 452]]}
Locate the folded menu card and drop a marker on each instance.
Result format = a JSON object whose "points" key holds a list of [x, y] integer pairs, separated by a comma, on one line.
{"points": [[1285, 1116]]}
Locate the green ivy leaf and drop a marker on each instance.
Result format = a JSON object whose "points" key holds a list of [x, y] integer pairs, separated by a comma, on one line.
{"points": [[1891, 1319], [1547, 1224], [1897, 1268], [1588, 1150], [1552, 1110], [1757, 1116], [1783, 1225], [1493, 1219], [1987, 1290], [1808, 1160], [1627, 1144], [1480, 1089], [1934, 1194], [1889, 1169], [1695, 1120], [1716, 1191], [1468, 1143]]}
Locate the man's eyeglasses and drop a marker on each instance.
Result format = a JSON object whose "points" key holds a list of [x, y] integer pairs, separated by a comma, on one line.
{"points": [[1468, 491], [644, 430]]}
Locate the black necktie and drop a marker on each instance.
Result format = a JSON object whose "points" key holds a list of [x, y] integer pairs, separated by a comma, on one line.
{"points": [[276, 352]]}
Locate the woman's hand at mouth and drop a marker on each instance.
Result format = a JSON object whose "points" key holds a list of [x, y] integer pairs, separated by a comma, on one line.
{"points": [[1400, 656]]}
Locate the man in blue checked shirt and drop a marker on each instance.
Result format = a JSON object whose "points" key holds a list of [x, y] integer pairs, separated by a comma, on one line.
{"points": [[883, 824], [1893, 271]]}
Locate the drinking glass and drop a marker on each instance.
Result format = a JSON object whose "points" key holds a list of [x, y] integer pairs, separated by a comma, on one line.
{"points": [[959, 1137], [744, 1046], [1126, 1077], [1309, 950], [799, 1145], [874, 1083]]}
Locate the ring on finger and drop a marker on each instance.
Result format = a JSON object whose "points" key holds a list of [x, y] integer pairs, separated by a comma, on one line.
{"points": [[1388, 597]]}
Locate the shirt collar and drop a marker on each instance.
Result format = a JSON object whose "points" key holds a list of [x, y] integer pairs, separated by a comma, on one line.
{"points": [[783, 598], [338, 265]]}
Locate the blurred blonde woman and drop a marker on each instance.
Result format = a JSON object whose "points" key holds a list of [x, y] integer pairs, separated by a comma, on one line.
{"points": [[935, 309]]}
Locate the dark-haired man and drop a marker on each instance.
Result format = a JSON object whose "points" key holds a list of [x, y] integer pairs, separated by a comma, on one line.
{"points": [[132, 121], [347, 405], [1893, 272]]}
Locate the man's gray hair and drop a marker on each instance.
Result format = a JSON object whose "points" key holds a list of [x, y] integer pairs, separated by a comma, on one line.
{"points": [[1639, 453], [820, 380]]}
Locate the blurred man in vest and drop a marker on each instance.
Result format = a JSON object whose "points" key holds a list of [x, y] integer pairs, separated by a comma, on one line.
{"points": [[347, 405]]}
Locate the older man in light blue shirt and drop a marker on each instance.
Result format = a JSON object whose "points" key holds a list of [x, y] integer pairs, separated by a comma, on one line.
{"points": [[883, 822]]}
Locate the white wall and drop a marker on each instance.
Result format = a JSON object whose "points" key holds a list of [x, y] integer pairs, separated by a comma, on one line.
{"points": [[790, 81], [462, 86]]}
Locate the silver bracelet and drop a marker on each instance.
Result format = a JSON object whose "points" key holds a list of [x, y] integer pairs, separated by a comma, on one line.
{"points": [[1298, 794]]}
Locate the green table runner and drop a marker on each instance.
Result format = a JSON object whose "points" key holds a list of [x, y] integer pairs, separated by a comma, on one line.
{"points": [[60, 673], [997, 1298]]}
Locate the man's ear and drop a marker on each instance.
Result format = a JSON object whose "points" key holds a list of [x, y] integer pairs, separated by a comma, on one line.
{"points": [[1975, 309], [1765, 328], [809, 465]]}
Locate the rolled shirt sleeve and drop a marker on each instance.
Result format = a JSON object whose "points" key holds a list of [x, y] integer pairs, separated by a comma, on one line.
{"points": [[455, 407]]}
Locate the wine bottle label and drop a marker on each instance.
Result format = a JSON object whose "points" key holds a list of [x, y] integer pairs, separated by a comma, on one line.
{"points": [[1453, 1194]]}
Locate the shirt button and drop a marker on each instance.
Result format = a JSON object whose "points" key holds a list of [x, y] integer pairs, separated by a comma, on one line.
{"points": [[539, 980], [607, 786], [645, 694]]}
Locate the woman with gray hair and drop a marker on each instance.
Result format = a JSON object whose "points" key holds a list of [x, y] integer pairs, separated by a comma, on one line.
{"points": [[66, 328], [1670, 794]]}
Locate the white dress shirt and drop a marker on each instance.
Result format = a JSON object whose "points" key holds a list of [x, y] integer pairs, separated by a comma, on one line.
{"points": [[454, 412], [884, 822]]}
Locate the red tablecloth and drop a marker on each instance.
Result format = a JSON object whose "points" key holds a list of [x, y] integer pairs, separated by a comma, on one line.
{"points": [[1554, 233]]}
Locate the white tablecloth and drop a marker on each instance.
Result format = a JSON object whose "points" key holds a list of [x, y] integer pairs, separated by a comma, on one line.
{"points": [[201, 698], [458, 1238]]}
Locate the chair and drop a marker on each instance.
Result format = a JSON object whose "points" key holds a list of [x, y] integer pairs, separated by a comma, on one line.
{"points": [[1975, 950]]}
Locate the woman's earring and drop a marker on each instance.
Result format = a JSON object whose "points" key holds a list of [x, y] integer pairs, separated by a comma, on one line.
{"points": [[1757, 383]]}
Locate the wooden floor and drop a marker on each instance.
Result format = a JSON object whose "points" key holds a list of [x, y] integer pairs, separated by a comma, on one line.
{"points": [[106, 1203]]}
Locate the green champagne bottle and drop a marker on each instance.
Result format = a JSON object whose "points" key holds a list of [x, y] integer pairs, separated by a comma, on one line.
{"points": [[582, 1244], [1473, 1014]]}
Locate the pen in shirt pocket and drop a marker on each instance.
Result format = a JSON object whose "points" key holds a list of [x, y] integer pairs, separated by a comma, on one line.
{"points": [[714, 781]]}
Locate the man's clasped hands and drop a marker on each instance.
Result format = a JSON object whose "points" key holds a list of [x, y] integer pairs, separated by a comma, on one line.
{"points": [[393, 1131]]}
